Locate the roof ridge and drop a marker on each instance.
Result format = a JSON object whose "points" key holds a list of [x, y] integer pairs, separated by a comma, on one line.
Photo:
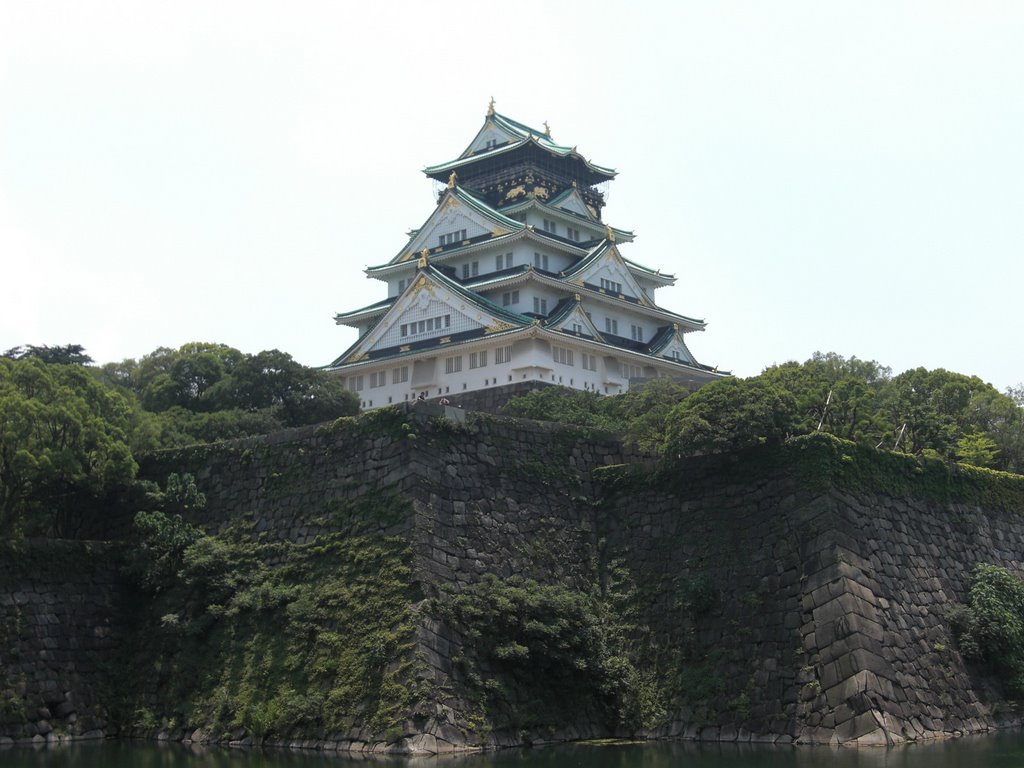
{"points": [[517, 124]]}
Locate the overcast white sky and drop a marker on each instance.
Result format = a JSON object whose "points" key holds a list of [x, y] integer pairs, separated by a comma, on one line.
{"points": [[820, 176]]}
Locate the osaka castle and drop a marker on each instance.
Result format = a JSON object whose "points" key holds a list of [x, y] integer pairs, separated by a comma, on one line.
{"points": [[515, 280]]}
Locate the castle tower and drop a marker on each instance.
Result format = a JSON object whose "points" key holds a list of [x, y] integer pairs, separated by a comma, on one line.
{"points": [[515, 278]]}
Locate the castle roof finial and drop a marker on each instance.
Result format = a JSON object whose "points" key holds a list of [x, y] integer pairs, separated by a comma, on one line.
{"points": [[609, 233], [451, 180], [547, 129], [490, 107], [424, 259]]}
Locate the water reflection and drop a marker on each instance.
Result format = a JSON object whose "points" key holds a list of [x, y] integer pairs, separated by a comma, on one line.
{"points": [[997, 751]]}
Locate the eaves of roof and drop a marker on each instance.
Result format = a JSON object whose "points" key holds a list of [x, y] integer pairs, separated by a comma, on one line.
{"points": [[522, 273], [540, 141], [442, 254], [620, 234], [412, 349], [368, 311]]}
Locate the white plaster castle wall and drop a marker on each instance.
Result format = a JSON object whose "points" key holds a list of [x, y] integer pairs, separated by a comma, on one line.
{"points": [[531, 360]]}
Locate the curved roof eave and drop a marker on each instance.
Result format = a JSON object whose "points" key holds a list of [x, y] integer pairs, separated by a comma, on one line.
{"points": [[549, 147], [486, 283], [533, 202], [557, 334], [481, 341], [441, 256], [371, 310], [654, 273]]}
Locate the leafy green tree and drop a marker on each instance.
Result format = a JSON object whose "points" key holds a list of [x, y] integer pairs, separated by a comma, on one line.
{"points": [[206, 392], [991, 629], [639, 414], [163, 532], [855, 386], [642, 411], [272, 379], [69, 354], [976, 449], [728, 415], [569, 406], [168, 377], [63, 445], [1000, 418], [934, 405]]}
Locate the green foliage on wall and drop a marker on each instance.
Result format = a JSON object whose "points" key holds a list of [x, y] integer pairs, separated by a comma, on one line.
{"points": [[549, 655], [990, 628], [279, 638], [822, 462]]}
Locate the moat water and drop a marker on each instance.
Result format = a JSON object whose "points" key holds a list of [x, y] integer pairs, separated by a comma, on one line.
{"points": [[1001, 750]]}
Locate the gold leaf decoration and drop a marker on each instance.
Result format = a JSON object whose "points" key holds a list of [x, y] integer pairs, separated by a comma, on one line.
{"points": [[498, 326]]}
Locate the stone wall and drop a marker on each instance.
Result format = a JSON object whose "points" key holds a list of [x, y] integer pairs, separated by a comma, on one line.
{"points": [[59, 624], [776, 597], [492, 399], [829, 619]]}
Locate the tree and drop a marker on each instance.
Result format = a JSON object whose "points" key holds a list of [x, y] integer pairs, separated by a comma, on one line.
{"points": [[206, 392], [976, 449], [728, 415], [934, 405], [855, 385], [642, 411], [169, 377], [639, 413], [63, 444], [272, 379], [1000, 419], [69, 354], [568, 406]]}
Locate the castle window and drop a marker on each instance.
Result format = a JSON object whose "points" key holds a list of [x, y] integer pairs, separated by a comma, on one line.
{"points": [[509, 298], [562, 355], [470, 270], [610, 286], [452, 237], [378, 379], [540, 261], [577, 328], [478, 359], [429, 325], [491, 144], [503, 355], [611, 325], [572, 234], [589, 362], [355, 383], [503, 261], [550, 226], [637, 332], [632, 371], [453, 364], [540, 306], [400, 375]]}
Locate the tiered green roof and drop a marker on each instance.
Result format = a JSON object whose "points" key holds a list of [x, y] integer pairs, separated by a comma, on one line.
{"points": [[522, 136]]}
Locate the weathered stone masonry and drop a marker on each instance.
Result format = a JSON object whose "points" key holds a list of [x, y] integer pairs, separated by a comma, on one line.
{"points": [[58, 637], [824, 615]]}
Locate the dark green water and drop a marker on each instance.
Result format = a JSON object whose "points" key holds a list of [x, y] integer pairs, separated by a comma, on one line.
{"points": [[1002, 750]]}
